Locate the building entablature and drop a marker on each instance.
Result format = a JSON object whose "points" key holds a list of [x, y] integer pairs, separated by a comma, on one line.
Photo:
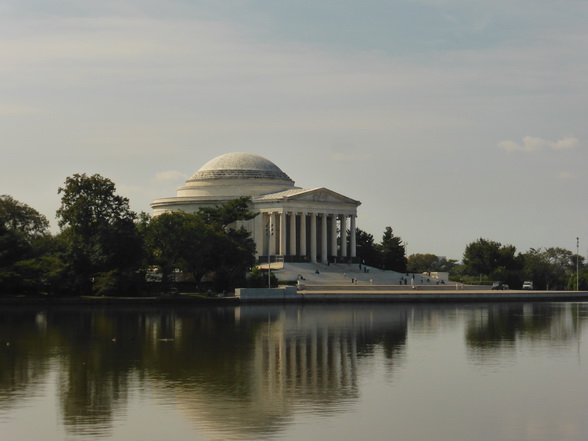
{"points": [[231, 189]]}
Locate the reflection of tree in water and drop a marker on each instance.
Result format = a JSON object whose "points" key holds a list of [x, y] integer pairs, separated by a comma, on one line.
{"points": [[101, 349], [241, 370], [497, 328], [96, 351], [101, 352], [24, 346]]}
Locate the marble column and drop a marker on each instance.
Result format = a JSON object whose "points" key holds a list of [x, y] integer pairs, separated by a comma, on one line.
{"points": [[344, 235], [313, 237], [352, 240], [324, 237], [271, 231], [260, 234], [282, 233], [292, 234], [334, 236], [303, 234]]}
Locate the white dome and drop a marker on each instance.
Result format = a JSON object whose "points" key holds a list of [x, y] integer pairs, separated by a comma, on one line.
{"points": [[240, 166], [233, 175]]}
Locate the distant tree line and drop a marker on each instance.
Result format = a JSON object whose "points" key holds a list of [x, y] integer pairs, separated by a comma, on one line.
{"points": [[548, 268], [484, 261], [104, 248]]}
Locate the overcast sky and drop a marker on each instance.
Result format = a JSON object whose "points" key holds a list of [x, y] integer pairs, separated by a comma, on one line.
{"points": [[450, 120]]}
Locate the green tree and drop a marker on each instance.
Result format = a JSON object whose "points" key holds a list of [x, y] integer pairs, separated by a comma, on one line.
{"points": [[27, 262], [551, 268], [235, 252], [562, 258], [485, 257], [419, 263], [13, 248], [19, 217], [393, 253], [258, 279], [232, 251], [102, 240], [41, 274], [228, 213], [367, 250], [580, 279], [178, 240], [494, 261], [445, 265], [203, 243]]}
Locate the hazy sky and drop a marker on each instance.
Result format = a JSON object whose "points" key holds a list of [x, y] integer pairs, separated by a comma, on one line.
{"points": [[450, 120]]}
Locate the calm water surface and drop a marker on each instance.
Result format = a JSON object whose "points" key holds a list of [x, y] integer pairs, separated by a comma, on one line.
{"points": [[315, 372]]}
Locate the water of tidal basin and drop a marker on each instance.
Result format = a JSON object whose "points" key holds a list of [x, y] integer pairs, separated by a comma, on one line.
{"points": [[419, 372]]}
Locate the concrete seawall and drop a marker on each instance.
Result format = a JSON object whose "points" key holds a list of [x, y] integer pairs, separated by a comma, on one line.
{"points": [[422, 295], [340, 295], [284, 294]]}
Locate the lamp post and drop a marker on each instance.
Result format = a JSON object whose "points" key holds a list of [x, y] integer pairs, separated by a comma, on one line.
{"points": [[577, 264], [269, 229]]}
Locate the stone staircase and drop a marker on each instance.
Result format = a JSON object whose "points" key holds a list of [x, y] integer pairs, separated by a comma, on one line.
{"points": [[340, 274]]}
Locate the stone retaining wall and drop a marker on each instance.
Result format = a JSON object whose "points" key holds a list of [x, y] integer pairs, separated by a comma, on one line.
{"points": [[286, 293]]}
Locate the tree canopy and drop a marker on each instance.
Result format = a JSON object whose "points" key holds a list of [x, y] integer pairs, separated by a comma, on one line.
{"points": [[19, 217], [202, 243], [227, 213], [551, 268], [176, 239], [90, 202], [389, 254], [486, 256], [98, 229], [26, 265], [366, 248], [393, 253], [420, 263]]}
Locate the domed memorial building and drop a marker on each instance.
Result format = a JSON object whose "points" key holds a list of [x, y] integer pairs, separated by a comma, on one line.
{"points": [[295, 224]]}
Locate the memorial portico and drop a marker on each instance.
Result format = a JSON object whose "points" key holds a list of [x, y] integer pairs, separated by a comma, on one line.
{"points": [[293, 224], [283, 233]]}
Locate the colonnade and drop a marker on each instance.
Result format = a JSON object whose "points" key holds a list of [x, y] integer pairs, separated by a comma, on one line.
{"points": [[322, 359], [307, 235]]}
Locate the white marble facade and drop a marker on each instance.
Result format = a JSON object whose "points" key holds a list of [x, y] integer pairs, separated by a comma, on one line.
{"points": [[294, 224]]}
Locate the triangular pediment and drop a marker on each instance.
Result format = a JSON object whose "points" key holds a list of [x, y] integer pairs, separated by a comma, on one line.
{"points": [[320, 195]]}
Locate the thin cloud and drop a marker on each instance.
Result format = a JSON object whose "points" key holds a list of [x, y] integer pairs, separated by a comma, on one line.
{"points": [[129, 189], [17, 110], [351, 157], [566, 143], [567, 176], [170, 175], [531, 144]]}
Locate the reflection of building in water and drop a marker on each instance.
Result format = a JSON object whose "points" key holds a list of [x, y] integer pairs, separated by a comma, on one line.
{"points": [[320, 363], [302, 358], [313, 352]]}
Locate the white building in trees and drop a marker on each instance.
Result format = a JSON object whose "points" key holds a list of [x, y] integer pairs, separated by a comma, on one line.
{"points": [[294, 224]]}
